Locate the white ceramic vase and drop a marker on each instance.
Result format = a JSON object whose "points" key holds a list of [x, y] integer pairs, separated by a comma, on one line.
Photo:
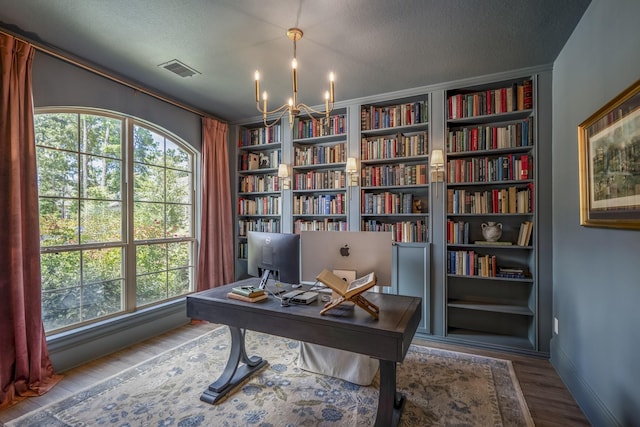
{"points": [[491, 231]]}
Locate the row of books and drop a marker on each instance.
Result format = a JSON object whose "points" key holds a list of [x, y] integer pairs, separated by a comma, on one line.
{"points": [[390, 148], [394, 115], [387, 203], [258, 183], [247, 294], [260, 136], [524, 233], [395, 174], [253, 161], [324, 204], [315, 127], [516, 97], [470, 263], [490, 137], [498, 200], [401, 231], [326, 224], [458, 232], [510, 167], [318, 180], [261, 224], [319, 155], [263, 205]]}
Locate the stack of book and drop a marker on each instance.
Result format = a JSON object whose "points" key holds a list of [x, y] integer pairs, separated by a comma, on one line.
{"points": [[247, 294]]}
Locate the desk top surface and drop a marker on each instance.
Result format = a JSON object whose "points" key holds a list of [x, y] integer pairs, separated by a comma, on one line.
{"points": [[342, 327]]}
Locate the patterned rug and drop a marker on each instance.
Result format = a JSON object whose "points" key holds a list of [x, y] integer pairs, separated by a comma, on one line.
{"points": [[442, 388]]}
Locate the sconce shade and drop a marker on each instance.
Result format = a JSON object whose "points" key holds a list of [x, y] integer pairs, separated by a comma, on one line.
{"points": [[437, 159], [283, 170], [352, 167]]}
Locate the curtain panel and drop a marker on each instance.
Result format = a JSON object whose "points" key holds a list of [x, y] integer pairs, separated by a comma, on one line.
{"points": [[25, 367], [216, 262]]}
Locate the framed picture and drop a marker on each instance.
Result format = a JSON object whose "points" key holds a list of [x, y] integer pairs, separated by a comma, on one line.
{"points": [[609, 161]]}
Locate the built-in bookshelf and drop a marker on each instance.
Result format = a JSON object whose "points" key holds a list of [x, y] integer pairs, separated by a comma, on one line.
{"points": [[394, 168], [259, 200], [319, 177], [491, 286]]}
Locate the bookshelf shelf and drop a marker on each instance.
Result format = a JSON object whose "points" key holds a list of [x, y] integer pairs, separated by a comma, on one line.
{"points": [[319, 177], [490, 145], [258, 194], [394, 160]]}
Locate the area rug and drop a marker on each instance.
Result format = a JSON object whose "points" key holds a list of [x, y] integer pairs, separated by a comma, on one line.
{"points": [[442, 388]]}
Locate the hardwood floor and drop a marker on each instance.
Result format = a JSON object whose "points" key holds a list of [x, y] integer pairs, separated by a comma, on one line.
{"points": [[549, 401]]}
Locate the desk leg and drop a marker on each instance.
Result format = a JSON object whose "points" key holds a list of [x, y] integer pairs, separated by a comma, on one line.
{"points": [[390, 402], [234, 373]]}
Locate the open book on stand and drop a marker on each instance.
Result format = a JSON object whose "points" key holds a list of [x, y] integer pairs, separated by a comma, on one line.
{"points": [[349, 291]]}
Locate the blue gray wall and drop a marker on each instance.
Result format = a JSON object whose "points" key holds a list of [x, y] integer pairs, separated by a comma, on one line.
{"points": [[596, 271], [59, 83]]}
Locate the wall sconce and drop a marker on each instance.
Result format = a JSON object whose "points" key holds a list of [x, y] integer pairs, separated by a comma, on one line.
{"points": [[283, 175], [352, 172], [437, 167]]}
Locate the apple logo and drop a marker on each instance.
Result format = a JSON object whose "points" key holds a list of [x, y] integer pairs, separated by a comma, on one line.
{"points": [[344, 251]]}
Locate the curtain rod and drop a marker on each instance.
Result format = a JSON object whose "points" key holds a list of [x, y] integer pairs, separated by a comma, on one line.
{"points": [[78, 63]]}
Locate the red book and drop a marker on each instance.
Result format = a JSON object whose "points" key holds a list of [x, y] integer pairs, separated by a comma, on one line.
{"points": [[524, 166]]}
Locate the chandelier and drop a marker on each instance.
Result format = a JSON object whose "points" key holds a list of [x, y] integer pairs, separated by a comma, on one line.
{"points": [[293, 107]]}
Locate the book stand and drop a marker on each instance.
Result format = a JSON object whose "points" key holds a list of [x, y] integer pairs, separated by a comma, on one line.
{"points": [[358, 300]]}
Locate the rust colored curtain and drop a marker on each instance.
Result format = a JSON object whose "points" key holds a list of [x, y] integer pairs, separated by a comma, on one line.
{"points": [[25, 367], [215, 264]]}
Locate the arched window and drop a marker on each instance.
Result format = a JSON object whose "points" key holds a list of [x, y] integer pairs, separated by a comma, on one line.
{"points": [[116, 215]]}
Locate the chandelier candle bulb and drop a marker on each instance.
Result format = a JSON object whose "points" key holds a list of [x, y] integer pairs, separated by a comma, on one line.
{"points": [[331, 86], [257, 76], [264, 103]]}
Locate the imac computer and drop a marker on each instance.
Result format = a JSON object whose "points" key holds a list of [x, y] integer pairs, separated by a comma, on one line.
{"points": [[359, 251], [273, 254]]}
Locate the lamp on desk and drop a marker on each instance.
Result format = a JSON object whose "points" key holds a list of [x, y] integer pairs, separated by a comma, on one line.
{"points": [[283, 175], [437, 167]]}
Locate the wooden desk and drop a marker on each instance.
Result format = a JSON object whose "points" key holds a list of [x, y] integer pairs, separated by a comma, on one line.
{"points": [[386, 339]]}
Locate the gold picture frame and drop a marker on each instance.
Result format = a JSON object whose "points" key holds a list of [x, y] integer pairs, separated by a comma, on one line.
{"points": [[609, 163]]}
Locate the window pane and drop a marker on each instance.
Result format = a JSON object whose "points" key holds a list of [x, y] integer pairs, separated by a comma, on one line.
{"points": [[60, 270], [58, 222], [57, 173], [151, 288], [179, 281], [101, 179], [148, 147], [177, 158], [178, 186], [99, 265], [101, 135], [151, 258], [57, 130], [101, 299], [179, 221], [180, 254], [101, 221], [148, 183], [148, 220], [61, 308]]}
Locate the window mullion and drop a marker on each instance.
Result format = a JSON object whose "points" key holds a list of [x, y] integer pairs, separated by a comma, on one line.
{"points": [[130, 247]]}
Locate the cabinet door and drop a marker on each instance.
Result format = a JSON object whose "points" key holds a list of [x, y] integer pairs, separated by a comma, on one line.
{"points": [[411, 277]]}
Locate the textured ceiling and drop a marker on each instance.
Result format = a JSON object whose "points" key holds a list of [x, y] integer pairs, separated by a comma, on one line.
{"points": [[372, 46]]}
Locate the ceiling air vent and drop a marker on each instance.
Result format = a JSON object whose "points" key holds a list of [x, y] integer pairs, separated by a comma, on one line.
{"points": [[179, 68]]}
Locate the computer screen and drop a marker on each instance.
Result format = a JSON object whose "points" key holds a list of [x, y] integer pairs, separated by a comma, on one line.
{"points": [[274, 254], [359, 251]]}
